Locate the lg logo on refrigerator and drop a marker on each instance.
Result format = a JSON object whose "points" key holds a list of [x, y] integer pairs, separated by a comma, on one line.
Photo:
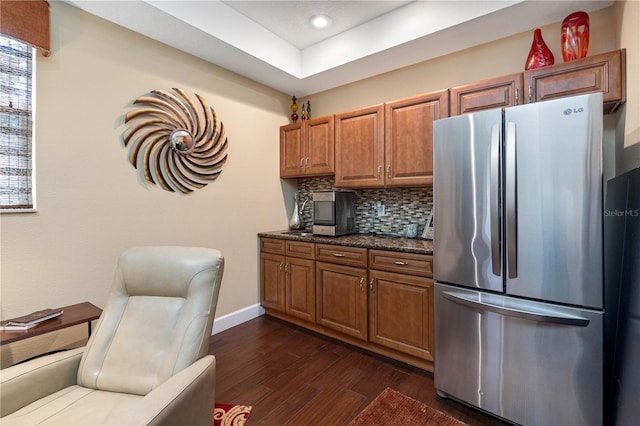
{"points": [[570, 111]]}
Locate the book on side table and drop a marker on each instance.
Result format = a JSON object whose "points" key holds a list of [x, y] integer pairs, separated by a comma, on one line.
{"points": [[31, 320]]}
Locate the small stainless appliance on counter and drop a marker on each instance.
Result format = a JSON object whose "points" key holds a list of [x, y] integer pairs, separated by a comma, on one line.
{"points": [[334, 212]]}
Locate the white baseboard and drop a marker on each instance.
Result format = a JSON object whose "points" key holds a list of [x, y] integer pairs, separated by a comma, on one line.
{"points": [[238, 317]]}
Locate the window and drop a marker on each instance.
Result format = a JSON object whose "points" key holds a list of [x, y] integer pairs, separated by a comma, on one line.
{"points": [[16, 126]]}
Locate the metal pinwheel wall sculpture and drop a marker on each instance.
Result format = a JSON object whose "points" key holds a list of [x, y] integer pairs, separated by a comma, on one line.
{"points": [[174, 143]]}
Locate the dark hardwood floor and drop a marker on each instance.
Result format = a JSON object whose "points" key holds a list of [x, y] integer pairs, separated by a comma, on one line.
{"points": [[292, 376]]}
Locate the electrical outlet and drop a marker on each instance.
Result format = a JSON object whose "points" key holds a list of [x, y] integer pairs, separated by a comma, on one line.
{"points": [[380, 209]]}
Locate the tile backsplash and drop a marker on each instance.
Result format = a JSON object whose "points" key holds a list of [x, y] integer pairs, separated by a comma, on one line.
{"points": [[402, 206]]}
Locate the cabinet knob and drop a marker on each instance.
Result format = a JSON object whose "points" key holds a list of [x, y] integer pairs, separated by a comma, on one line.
{"points": [[400, 263], [361, 283], [338, 254], [286, 268], [306, 162], [530, 93], [371, 285], [517, 96], [302, 163], [379, 172], [280, 266], [389, 171]]}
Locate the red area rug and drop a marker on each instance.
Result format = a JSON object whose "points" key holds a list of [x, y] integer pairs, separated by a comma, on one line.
{"points": [[393, 408], [231, 415]]}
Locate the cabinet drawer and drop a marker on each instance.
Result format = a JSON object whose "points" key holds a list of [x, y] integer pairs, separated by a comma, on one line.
{"points": [[352, 256], [272, 245], [406, 263], [300, 249]]}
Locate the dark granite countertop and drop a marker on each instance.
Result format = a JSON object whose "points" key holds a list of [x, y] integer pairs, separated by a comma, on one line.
{"points": [[408, 245]]}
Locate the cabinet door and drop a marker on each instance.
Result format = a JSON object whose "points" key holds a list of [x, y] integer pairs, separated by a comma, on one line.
{"points": [[292, 139], [497, 92], [341, 299], [409, 138], [360, 148], [604, 73], [272, 285], [319, 146], [300, 288], [401, 313]]}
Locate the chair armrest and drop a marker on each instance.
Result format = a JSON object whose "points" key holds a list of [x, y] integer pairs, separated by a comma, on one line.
{"points": [[25, 383], [186, 398]]}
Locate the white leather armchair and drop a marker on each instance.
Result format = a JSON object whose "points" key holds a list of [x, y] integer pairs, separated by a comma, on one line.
{"points": [[146, 362]]}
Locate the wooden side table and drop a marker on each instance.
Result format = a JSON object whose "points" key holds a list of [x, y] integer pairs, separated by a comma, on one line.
{"points": [[72, 315]]}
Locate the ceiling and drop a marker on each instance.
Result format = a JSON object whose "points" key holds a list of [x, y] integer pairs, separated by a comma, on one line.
{"points": [[271, 42]]}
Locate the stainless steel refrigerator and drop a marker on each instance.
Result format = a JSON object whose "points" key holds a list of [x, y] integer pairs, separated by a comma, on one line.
{"points": [[519, 311]]}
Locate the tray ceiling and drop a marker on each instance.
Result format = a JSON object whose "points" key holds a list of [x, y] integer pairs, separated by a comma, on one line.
{"points": [[270, 41]]}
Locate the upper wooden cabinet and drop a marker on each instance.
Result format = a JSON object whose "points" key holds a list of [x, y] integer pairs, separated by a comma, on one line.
{"points": [[604, 73], [497, 92], [389, 144], [307, 148], [360, 147], [409, 138]]}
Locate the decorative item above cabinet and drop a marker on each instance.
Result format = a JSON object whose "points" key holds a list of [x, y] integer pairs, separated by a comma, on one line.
{"points": [[540, 55], [307, 149]]}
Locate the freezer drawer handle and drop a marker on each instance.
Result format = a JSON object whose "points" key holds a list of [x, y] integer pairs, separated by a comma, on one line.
{"points": [[512, 312]]}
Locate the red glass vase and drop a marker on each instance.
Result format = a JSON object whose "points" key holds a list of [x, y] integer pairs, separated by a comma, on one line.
{"points": [[539, 55], [575, 36]]}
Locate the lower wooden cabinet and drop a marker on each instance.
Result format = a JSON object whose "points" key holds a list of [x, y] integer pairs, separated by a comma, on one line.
{"points": [[272, 281], [287, 283], [378, 300], [341, 297], [401, 313], [300, 298]]}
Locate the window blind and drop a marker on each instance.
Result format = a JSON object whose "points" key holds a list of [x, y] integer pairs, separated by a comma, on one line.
{"points": [[27, 21], [16, 125]]}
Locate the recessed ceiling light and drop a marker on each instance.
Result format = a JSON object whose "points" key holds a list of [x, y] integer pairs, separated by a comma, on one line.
{"points": [[320, 21]]}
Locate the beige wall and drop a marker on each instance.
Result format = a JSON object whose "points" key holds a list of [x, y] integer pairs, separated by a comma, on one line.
{"points": [[91, 203]]}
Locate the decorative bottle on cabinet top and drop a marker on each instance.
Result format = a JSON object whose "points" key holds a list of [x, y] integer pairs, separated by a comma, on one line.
{"points": [[539, 55], [294, 108], [575, 36]]}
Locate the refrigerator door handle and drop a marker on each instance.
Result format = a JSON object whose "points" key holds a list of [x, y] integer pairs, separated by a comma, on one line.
{"points": [[547, 317], [494, 194], [511, 202]]}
